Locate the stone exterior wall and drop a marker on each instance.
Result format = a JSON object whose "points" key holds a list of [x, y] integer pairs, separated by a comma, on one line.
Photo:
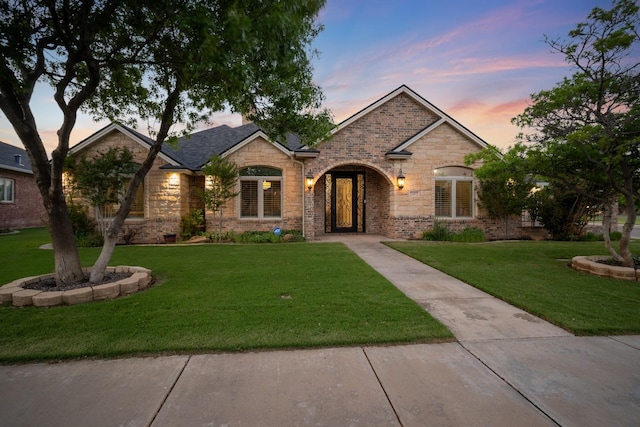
{"points": [[261, 152], [166, 194], [360, 147], [396, 213], [27, 209]]}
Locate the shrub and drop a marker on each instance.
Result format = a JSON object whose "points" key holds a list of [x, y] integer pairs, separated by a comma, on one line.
{"points": [[469, 235], [191, 223], [290, 236], [439, 233], [84, 227]]}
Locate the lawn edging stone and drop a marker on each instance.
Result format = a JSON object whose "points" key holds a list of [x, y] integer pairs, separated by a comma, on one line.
{"points": [[594, 265], [13, 293]]}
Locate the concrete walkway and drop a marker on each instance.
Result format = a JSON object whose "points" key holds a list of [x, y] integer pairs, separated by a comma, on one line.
{"points": [[508, 368]]}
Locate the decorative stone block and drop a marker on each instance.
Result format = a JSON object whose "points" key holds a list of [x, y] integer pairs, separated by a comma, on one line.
{"points": [[48, 299], [77, 296], [106, 291], [128, 286], [14, 284], [143, 280], [24, 297], [6, 294]]}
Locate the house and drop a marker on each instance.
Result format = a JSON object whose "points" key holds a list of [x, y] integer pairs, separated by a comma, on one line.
{"points": [[390, 169], [20, 200]]}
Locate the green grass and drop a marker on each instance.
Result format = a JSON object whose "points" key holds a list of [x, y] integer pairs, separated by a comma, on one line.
{"points": [[535, 277], [213, 298]]}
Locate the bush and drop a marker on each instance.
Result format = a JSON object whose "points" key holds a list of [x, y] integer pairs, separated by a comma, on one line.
{"points": [[291, 236], [439, 233], [84, 227], [191, 224], [469, 235]]}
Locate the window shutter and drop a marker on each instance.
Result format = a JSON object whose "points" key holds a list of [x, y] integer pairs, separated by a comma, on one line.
{"points": [[248, 198]]}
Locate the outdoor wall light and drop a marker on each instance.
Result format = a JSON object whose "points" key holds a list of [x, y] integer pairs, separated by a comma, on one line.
{"points": [[400, 180], [309, 180]]}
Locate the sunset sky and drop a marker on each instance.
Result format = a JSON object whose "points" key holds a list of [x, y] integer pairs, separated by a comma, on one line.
{"points": [[478, 60]]}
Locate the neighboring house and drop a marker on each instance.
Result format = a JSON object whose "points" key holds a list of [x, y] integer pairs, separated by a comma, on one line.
{"points": [[390, 169], [20, 201]]}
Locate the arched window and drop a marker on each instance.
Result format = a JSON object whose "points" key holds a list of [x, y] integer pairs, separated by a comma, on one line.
{"points": [[454, 192], [260, 192]]}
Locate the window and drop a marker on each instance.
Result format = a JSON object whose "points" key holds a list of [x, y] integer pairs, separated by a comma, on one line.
{"points": [[6, 190], [137, 206], [454, 192], [260, 192]]}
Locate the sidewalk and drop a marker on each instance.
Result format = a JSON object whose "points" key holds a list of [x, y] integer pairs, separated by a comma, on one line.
{"points": [[508, 368]]}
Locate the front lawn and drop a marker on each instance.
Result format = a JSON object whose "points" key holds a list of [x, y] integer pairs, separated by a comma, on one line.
{"points": [[535, 277], [213, 298]]}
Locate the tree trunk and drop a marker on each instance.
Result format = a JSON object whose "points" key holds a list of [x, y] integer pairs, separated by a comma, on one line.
{"points": [[100, 266], [606, 232], [627, 228], [68, 269]]}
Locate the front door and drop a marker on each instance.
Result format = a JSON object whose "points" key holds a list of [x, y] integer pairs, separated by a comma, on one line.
{"points": [[347, 207]]}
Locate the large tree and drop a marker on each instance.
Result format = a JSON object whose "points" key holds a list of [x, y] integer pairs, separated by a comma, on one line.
{"points": [[503, 186], [586, 130], [160, 61]]}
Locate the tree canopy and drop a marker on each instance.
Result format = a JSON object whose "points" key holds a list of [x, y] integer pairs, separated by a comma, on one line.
{"points": [[161, 62], [585, 132]]}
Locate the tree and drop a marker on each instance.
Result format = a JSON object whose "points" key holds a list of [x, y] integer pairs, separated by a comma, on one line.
{"points": [[163, 62], [563, 211], [101, 180], [587, 128], [503, 185], [222, 176]]}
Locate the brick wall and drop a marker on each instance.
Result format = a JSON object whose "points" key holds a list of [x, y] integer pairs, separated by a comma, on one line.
{"points": [[261, 152], [362, 145], [27, 209]]}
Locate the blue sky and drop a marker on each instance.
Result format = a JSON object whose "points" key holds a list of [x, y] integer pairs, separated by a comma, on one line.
{"points": [[478, 60]]}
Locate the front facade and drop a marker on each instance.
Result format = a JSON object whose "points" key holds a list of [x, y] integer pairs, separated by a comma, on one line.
{"points": [[391, 169], [20, 200]]}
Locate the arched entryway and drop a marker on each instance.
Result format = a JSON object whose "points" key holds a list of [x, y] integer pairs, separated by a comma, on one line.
{"points": [[352, 199]]}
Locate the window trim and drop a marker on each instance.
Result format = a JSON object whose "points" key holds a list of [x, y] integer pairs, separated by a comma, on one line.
{"points": [[260, 180], [12, 199], [115, 206], [454, 179]]}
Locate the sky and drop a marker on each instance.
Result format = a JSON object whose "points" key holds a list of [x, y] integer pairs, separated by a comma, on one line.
{"points": [[477, 60]]}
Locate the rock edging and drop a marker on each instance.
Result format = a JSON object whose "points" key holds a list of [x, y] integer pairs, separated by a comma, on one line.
{"points": [[591, 264], [15, 294]]}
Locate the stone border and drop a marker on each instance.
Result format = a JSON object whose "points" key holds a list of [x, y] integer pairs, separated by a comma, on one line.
{"points": [[590, 264], [14, 293]]}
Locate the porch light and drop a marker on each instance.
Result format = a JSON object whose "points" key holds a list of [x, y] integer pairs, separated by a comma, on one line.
{"points": [[309, 181], [174, 179], [400, 180]]}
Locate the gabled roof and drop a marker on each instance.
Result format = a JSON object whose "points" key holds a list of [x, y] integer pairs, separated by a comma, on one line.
{"points": [[196, 149], [14, 158], [145, 141], [443, 118], [193, 151]]}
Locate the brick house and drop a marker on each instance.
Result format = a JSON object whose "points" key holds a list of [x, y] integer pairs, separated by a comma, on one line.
{"points": [[390, 169], [20, 200]]}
